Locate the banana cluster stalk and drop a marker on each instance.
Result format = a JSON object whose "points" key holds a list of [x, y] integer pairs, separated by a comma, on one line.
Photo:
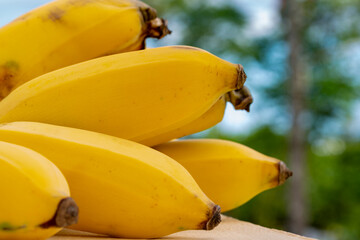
{"points": [[137, 95], [228, 172], [65, 32], [123, 188], [35, 200]]}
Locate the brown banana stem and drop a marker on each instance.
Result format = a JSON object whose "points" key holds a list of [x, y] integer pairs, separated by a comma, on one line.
{"points": [[214, 218], [240, 99], [147, 12], [157, 28], [241, 77], [284, 173], [65, 215]]}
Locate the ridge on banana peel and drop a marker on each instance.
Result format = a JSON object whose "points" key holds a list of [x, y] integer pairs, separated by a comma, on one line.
{"points": [[65, 32], [136, 95], [228, 172], [241, 100], [35, 201], [123, 188]]}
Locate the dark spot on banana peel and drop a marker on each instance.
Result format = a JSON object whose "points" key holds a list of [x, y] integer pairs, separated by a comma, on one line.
{"points": [[55, 14], [7, 73], [8, 227]]}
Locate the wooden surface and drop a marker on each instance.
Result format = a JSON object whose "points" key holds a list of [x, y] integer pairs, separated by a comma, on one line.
{"points": [[229, 229]]}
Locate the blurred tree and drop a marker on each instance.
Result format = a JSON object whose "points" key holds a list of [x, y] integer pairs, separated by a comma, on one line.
{"points": [[296, 204]]}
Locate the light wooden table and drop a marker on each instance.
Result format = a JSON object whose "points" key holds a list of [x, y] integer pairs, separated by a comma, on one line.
{"points": [[229, 229]]}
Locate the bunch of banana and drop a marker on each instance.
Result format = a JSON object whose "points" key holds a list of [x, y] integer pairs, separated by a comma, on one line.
{"points": [[228, 172], [66, 32], [35, 202], [137, 95], [123, 188]]}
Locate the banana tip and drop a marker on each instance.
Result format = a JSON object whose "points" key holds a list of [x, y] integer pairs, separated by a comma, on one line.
{"points": [[215, 218], [66, 214], [284, 172], [158, 28], [241, 76]]}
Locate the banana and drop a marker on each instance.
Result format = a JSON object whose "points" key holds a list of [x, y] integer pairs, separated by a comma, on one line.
{"points": [[35, 202], [228, 172], [123, 188], [241, 100], [65, 32], [210, 118], [137, 95]]}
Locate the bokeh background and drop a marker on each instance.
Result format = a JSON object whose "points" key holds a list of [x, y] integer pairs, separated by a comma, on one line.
{"points": [[302, 59]]}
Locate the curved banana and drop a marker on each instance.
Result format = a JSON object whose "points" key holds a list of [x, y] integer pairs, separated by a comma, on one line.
{"points": [[123, 188], [35, 202], [136, 95], [210, 118], [65, 32], [241, 100], [228, 172]]}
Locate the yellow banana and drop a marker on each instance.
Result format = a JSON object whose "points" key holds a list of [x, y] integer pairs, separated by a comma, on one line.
{"points": [[35, 202], [65, 32], [228, 172], [136, 95], [123, 188], [241, 99], [210, 118]]}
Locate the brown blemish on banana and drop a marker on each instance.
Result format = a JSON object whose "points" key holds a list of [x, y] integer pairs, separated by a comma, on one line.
{"points": [[7, 73], [213, 219], [284, 173], [65, 215], [55, 14], [8, 227]]}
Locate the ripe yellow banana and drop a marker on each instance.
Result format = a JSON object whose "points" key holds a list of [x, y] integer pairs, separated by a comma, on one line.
{"points": [[210, 118], [35, 202], [65, 32], [123, 188], [136, 95], [228, 172], [241, 99]]}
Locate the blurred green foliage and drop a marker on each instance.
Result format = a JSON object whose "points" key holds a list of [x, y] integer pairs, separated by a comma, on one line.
{"points": [[330, 32]]}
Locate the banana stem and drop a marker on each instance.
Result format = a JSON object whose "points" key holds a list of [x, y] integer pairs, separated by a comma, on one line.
{"points": [[241, 76], [156, 27], [214, 218], [240, 99], [284, 173], [65, 215]]}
